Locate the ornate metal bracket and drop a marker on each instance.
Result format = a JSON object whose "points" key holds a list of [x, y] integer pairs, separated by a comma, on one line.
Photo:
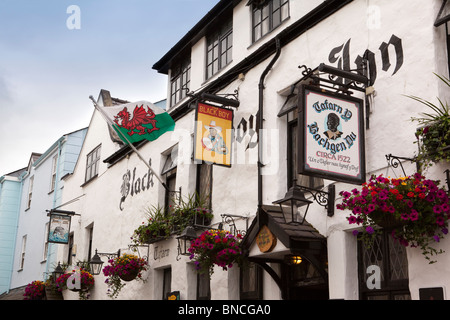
{"points": [[217, 98], [394, 161], [229, 219], [109, 255], [323, 198], [134, 248]]}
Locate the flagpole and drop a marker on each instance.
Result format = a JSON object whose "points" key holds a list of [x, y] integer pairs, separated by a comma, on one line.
{"points": [[129, 143]]}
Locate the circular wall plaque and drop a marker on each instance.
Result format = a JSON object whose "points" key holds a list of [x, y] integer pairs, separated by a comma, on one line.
{"points": [[265, 240]]}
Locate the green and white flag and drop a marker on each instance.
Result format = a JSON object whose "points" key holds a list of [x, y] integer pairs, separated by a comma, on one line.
{"points": [[137, 121]]}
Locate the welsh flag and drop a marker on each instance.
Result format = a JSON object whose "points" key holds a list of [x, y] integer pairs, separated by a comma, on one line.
{"points": [[138, 121]]}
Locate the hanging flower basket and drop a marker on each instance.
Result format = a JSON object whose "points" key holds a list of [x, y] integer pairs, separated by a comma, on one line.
{"points": [[86, 283], [35, 291], [156, 228], [215, 247], [129, 276], [127, 267], [386, 221], [416, 209]]}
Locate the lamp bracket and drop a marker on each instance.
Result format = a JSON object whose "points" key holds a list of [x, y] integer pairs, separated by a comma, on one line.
{"points": [[109, 255], [323, 198], [229, 219]]}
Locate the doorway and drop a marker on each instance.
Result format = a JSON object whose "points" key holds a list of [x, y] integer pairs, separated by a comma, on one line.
{"points": [[305, 282]]}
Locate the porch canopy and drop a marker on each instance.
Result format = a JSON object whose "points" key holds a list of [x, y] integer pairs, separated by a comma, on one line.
{"points": [[269, 239]]}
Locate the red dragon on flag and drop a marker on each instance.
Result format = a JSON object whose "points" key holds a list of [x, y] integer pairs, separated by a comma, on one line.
{"points": [[140, 118]]}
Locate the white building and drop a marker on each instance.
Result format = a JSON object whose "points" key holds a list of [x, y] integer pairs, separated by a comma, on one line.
{"points": [[253, 50], [41, 191]]}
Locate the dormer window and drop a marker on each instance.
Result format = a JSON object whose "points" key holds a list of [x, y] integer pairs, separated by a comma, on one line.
{"points": [[267, 15]]}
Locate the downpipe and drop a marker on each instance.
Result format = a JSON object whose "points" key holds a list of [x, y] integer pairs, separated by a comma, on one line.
{"points": [[261, 121]]}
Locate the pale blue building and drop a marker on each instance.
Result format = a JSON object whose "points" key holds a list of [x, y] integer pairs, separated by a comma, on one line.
{"points": [[38, 189], [10, 196]]}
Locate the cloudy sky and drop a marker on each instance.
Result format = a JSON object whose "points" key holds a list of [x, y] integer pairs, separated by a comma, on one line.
{"points": [[52, 59]]}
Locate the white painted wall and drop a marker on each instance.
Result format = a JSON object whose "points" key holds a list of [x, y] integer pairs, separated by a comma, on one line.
{"points": [[235, 189]]}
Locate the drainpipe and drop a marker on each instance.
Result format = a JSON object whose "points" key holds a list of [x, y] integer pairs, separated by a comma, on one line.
{"points": [[261, 121]]}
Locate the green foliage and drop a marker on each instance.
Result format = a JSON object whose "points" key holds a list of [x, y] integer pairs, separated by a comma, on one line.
{"points": [[433, 137], [162, 222]]}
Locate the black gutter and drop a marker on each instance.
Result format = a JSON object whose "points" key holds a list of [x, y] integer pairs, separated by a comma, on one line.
{"points": [[261, 120]]}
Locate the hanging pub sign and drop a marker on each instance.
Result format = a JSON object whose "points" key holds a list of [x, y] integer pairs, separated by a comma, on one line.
{"points": [[59, 228], [331, 136], [213, 134]]}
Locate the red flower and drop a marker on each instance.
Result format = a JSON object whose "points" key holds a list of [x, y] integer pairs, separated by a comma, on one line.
{"points": [[394, 191], [410, 194]]}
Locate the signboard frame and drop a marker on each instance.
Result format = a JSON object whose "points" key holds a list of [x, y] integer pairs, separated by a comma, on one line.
{"points": [[221, 118], [56, 226], [325, 154]]}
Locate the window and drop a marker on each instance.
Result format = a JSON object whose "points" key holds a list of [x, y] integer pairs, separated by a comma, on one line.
{"points": [[387, 259], [45, 253], [30, 191], [302, 180], [71, 250], [251, 282], [169, 171], [204, 183], [90, 234], [268, 17], [92, 163], [54, 165], [167, 281], [203, 287], [447, 27], [22, 254], [219, 48], [180, 81]]}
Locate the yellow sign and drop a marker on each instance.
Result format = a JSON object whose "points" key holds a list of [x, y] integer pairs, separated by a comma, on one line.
{"points": [[213, 134], [265, 240]]}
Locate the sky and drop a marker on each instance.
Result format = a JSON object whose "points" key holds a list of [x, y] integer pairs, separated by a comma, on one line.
{"points": [[55, 54]]}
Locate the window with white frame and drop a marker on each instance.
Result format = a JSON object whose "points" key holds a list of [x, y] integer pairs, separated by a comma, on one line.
{"points": [[30, 191], [92, 163], [219, 48], [45, 253], [267, 17], [53, 179], [22, 253]]}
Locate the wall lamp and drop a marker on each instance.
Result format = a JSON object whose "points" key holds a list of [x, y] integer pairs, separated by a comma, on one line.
{"points": [[96, 263], [292, 259], [184, 241], [59, 271], [295, 199]]}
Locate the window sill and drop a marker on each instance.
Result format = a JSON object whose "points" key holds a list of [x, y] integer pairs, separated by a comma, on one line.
{"points": [[268, 34], [89, 181]]}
